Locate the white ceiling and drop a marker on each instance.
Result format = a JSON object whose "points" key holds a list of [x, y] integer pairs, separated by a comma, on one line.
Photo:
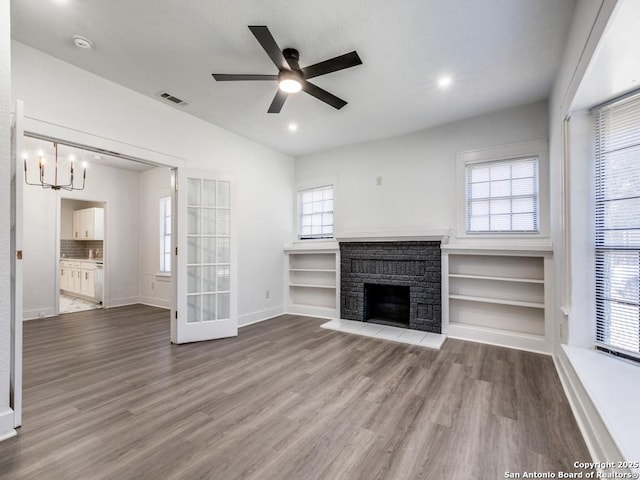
{"points": [[500, 53]]}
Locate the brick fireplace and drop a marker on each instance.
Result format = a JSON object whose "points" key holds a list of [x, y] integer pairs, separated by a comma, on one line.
{"points": [[385, 269]]}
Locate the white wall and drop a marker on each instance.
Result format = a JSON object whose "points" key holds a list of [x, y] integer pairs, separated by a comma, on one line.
{"points": [[153, 289], [6, 416], [62, 100], [418, 171], [119, 189]]}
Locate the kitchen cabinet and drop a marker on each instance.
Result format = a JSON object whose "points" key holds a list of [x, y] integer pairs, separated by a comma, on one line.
{"points": [[65, 275], [77, 277], [88, 224], [87, 280]]}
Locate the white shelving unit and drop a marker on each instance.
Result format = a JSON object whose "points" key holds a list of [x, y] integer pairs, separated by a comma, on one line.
{"points": [[498, 295], [312, 279]]}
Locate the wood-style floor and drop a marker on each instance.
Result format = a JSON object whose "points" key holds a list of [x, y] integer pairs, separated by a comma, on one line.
{"points": [[108, 397]]}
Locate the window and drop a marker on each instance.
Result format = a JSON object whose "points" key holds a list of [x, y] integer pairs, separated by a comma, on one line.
{"points": [[315, 212], [165, 235], [617, 226], [502, 196]]}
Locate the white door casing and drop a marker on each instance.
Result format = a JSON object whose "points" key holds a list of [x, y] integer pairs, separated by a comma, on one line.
{"points": [[17, 182]]}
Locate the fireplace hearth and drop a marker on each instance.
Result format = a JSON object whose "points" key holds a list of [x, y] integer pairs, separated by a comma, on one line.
{"points": [[405, 276]]}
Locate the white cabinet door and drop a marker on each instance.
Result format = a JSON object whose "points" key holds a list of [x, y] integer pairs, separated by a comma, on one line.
{"points": [[64, 275], [87, 282], [78, 230], [76, 279], [88, 224]]}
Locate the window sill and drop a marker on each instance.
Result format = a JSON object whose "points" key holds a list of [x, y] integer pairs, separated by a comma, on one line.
{"points": [[163, 277], [613, 385]]}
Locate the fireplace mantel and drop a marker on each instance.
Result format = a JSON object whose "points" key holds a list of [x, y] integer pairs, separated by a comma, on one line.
{"points": [[434, 235]]}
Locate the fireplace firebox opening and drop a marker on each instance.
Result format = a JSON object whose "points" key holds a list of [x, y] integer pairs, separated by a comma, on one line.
{"points": [[387, 304]]}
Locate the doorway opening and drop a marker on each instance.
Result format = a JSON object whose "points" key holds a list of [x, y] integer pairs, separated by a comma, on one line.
{"points": [[81, 250]]}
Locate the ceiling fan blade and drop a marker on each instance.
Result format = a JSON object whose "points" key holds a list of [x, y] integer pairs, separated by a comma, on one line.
{"points": [[266, 40], [323, 95], [225, 77], [278, 102], [347, 60]]}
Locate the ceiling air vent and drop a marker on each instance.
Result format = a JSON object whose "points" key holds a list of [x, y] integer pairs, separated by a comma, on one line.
{"points": [[172, 99]]}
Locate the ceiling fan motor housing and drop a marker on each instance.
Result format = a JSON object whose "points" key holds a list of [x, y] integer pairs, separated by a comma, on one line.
{"points": [[293, 57]]}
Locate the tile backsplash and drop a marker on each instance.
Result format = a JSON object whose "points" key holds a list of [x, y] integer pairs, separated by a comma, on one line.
{"points": [[79, 249]]}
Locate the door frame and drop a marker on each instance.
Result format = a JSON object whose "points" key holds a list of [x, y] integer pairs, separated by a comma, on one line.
{"points": [[101, 145], [58, 237]]}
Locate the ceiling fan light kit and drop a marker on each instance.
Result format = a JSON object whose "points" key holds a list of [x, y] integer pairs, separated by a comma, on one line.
{"points": [[291, 78], [290, 81]]}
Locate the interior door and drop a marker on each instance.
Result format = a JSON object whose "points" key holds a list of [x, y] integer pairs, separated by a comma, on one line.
{"points": [[17, 182], [206, 261]]}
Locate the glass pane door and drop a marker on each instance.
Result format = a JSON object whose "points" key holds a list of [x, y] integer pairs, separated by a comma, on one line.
{"points": [[208, 250], [206, 287]]}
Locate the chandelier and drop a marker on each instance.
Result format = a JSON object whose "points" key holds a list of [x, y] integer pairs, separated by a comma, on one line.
{"points": [[55, 185]]}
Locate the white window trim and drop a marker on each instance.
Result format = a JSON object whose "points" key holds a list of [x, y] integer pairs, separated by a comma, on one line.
{"points": [[315, 183], [535, 148]]}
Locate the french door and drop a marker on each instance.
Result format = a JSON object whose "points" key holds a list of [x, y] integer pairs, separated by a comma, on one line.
{"points": [[205, 257]]}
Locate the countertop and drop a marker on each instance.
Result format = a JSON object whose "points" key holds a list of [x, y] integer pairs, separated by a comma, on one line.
{"points": [[70, 259]]}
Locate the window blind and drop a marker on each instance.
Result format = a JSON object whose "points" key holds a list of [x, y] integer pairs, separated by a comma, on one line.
{"points": [[315, 212], [617, 226], [502, 196]]}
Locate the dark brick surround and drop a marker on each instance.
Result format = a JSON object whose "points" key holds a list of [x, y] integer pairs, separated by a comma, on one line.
{"points": [[412, 264]]}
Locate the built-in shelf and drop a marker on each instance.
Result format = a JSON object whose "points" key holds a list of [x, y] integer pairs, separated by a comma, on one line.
{"points": [[498, 279], [499, 296], [318, 270], [309, 285], [498, 301], [312, 279]]}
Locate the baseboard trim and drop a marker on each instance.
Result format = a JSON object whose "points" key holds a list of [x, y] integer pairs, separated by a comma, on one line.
{"points": [[501, 338], [36, 313], [122, 302], [600, 444], [155, 302], [259, 316]]}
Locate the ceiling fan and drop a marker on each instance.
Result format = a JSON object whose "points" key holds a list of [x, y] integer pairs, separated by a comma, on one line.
{"points": [[291, 78]]}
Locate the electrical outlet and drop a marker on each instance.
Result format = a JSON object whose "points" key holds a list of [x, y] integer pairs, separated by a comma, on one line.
{"points": [[153, 284], [267, 294], [378, 181]]}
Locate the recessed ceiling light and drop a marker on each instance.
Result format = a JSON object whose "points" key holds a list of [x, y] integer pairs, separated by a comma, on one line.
{"points": [[292, 127], [82, 42], [444, 81]]}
